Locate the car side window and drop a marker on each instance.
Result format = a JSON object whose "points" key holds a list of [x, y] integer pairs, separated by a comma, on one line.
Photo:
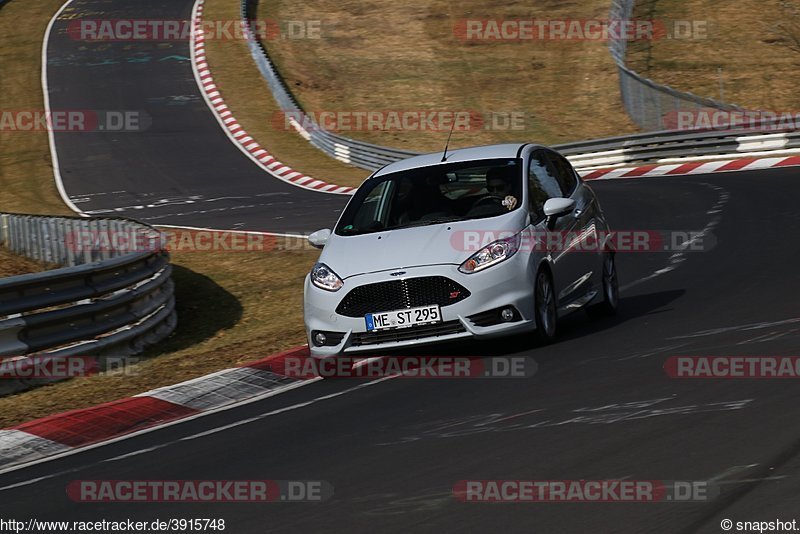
{"points": [[542, 185], [564, 173], [374, 210]]}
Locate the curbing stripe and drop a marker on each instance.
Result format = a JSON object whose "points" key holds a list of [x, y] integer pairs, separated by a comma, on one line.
{"points": [[788, 162], [60, 433], [228, 122], [731, 165], [221, 388], [263, 159], [105, 421], [17, 447], [736, 164], [277, 362]]}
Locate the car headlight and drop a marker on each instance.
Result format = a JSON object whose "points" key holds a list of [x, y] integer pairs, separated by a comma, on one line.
{"points": [[323, 277], [491, 254]]}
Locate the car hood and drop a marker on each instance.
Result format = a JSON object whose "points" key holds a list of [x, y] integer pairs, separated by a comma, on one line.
{"points": [[446, 243]]}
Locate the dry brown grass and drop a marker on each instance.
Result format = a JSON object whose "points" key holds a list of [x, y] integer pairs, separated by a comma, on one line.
{"points": [[758, 69], [238, 307], [232, 307], [13, 265], [248, 97], [26, 175], [388, 55]]}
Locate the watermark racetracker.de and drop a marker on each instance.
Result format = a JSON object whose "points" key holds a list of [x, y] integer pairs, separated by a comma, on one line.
{"points": [[598, 491], [520, 30], [53, 367], [469, 240], [74, 120], [729, 367], [401, 120], [435, 367], [126, 30], [199, 491]]}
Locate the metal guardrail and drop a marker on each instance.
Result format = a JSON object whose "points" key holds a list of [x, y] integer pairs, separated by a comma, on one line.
{"points": [[651, 105], [672, 146], [358, 153], [646, 101], [111, 297]]}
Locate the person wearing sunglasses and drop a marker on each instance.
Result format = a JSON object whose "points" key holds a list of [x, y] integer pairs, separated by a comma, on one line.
{"points": [[498, 184]]}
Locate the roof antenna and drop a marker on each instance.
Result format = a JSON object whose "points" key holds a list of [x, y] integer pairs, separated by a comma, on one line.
{"points": [[452, 127]]}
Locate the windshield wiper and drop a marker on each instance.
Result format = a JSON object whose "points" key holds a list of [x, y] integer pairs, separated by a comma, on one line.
{"points": [[439, 220]]}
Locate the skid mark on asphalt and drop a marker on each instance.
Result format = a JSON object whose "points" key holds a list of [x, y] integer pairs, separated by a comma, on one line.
{"points": [[209, 432], [772, 336], [88, 196], [738, 328], [180, 201], [654, 352], [680, 256], [215, 210], [722, 478], [606, 414], [724, 345], [388, 504]]}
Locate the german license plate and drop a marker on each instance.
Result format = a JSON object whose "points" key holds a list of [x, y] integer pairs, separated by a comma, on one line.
{"points": [[403, 318]]}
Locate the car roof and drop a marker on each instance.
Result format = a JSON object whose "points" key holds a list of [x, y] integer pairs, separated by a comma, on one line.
{"points": [[506, 150]]}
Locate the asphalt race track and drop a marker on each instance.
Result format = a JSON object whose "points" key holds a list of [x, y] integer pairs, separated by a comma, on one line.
{"points": [[394, 449], [180, 169], [599, 407]]}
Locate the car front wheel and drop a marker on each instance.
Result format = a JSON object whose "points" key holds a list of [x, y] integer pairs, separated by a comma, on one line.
{"points": [[610, 288], [545, 313]]}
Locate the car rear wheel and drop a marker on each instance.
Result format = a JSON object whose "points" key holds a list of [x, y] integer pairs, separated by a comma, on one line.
{"points": [[610, 289], [545, 309]]}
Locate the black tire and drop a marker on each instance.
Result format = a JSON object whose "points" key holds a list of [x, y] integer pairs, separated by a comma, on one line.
{"points": [[545, 307], [610, 288]]}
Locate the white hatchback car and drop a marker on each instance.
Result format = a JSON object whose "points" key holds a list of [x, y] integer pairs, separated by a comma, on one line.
{"points": [[481, 242]]}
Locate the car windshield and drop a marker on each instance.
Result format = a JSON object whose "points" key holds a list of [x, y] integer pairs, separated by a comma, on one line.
{"points": [[436, 194]]}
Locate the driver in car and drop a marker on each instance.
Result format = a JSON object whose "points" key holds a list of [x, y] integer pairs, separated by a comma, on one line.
{"points": [[498, 184]]}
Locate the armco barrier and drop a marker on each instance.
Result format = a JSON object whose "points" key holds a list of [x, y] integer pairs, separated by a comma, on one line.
{"points": [[648, 103], [676, 147], [666, 146], [102, 301], [358, 153]]}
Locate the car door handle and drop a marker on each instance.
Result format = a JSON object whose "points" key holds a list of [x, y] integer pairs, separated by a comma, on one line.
{"points": [[578, 212]]}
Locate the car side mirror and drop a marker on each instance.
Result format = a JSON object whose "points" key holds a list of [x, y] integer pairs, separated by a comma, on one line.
{"points": [[555, 207], [319, 238]]}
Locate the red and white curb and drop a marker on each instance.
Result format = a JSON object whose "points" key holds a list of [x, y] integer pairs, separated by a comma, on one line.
{"points": [[731, 165], [231, 126], [262, 157], [62, 433]]}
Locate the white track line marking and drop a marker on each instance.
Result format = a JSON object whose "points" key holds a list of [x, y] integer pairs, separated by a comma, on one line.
{"points": [[77, 450], [50, 132], [192, 436], [205, 89]]}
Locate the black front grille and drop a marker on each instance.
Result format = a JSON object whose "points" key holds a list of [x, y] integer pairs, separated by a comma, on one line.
{"points": [[405, 334], [401, 294]]}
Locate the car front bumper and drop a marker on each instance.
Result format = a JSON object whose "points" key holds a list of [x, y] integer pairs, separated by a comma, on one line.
{"points": [[506, 284]]}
